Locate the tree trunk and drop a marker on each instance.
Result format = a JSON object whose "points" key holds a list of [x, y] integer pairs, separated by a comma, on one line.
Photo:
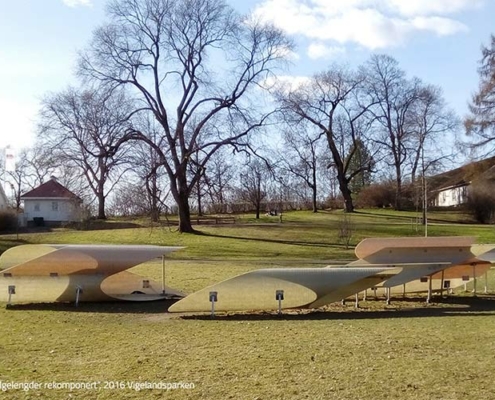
{"points": [[348, 203], [346, 192], [313, 187], [398, 193], [101, 205], [200, 207], [185, 225], [315, 208], [155, 212]]}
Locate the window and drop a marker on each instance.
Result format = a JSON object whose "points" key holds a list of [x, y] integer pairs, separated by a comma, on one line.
{"points": [[36, 206], [54, 205]]}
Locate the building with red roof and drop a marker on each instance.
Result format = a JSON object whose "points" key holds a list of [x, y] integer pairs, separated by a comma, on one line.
{"points": [[51, 204]]}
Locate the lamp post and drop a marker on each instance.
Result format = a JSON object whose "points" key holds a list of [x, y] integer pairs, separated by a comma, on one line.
{"points": [[425, 192]]}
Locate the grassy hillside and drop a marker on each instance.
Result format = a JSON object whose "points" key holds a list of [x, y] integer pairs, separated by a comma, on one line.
{"points": [[406, 350], [301, 235]]}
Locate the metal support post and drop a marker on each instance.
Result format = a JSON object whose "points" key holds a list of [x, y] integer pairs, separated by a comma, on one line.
{"points": [[213, 300], [474, 280], [163, 275], [11, 292], [428, 298], [279, 296]]}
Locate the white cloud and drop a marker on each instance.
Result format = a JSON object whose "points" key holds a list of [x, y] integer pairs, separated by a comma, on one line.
{"points": [[75, 3], [441, 26], [284, 83], [321, 50], [373, 24], [427, 7]]}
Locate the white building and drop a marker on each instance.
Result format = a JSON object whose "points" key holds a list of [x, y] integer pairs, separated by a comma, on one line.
{"points": [[451, 188], [4, 203], [50, 204], [452, 196]]}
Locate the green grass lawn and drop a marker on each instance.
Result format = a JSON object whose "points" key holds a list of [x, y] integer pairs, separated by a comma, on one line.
{"points": [[403, 351]]}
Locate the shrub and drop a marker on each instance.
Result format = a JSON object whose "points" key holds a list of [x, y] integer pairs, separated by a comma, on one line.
{"points": [[377, 195], [8, 221], [481, 201]]}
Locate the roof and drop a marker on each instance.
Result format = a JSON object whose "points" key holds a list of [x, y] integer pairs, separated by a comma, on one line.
{"points": [[50, 189], [463, 176]]}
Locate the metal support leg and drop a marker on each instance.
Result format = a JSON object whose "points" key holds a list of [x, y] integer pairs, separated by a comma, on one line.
{"points": [[441, 284], [486, 282], [11, 289], [474, 281], [404, 290], [374, 292], [78, 293], [388, 296], [356, 304], [213, 299], [163, 275], [428, 298], [365, 295]]}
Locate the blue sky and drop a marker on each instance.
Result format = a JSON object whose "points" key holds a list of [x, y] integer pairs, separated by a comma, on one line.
{"points": [[437, 40]]}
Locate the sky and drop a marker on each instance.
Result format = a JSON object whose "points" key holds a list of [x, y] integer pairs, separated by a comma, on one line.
{"points": [[438, 41]]}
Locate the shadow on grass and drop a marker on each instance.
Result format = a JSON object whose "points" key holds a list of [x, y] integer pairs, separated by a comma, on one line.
{"points": [[277, 241], [408, 218], [138, 307], [447, 307], [98, 225]]}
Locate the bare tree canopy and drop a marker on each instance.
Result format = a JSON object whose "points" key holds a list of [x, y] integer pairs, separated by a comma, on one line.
{"points": [[481, 123], [86, 129], [301, 158], [409, 116], [192, 64], [332, 104]]}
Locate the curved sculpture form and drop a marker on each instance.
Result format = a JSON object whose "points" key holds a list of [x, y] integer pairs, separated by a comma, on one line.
{"points": [[303, 288], [387, 263], [66, 273]]}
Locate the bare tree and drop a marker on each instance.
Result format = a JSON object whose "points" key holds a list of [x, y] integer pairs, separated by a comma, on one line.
{"points": [[395, 97], [253, 183], [300, 157], [218, 179], [192, 63], [40, 165], [481, 123], [147, 167], [430, 121], [86, 129], [331, 103]]}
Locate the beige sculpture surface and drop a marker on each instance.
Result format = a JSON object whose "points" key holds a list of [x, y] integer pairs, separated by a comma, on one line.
{"points": [[386, 263], [66, 273]]}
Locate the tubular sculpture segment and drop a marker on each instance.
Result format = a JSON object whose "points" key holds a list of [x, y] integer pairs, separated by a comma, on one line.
{"points": [[383, 263], [303, 288], [47, 273], [64, 273]]}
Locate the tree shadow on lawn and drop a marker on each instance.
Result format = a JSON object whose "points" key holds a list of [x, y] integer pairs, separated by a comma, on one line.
{"points": [[399, 308], [277, 241], [110, 307], [408, 218]]}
